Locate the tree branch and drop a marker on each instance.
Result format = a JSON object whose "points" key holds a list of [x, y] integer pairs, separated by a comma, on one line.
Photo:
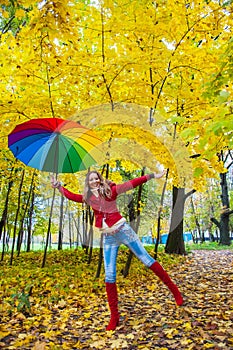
{"points": [[216, 222], [189, 194]]}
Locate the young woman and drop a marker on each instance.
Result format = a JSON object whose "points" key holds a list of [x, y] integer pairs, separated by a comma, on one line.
{"points": [[101, 195]]}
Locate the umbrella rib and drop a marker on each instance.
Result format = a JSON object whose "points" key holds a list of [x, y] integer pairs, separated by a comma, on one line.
{"points": [[56, 155], [69, 159]]}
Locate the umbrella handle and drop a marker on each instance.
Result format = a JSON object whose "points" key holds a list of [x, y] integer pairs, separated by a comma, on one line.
{"points": [[54, 181]]}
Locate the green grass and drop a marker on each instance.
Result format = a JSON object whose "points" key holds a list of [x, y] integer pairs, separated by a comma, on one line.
{"points": [[207, 246]]}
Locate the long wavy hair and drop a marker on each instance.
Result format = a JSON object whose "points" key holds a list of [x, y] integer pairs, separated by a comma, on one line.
{"points": [[104, 190]]}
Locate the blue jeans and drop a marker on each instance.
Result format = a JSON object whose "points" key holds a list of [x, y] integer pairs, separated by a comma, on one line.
{"points": [[111, 244]]}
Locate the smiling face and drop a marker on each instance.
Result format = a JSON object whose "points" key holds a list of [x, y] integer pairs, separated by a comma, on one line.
{"points": [[94, 181]]}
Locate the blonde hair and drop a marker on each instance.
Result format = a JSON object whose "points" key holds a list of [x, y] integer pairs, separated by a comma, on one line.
{"points": [[104, 190]]}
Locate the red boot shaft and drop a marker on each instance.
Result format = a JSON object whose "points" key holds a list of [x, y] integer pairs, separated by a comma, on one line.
{"points": [[111, 290], [163, 275]]}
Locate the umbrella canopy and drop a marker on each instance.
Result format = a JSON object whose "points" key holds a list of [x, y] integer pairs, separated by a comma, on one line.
{"points": [[54, 145]]}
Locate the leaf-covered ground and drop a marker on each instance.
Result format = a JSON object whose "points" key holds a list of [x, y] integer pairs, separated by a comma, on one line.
{"points": [[63, 306]]}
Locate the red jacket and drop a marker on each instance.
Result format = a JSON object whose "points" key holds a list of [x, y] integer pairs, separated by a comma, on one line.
{"points": [[106, 208]]}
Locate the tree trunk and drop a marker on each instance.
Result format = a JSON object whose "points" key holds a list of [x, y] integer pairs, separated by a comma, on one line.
{"points": [[3, 242], [196, 220], [159, 217], [22, 221], [4, 217], [4, 214], [175, 241], [100, 258], [79, 238], [125, 271], [48, 230], [223, 224], [90, 235], [71, 236], [224, 218], [30, 215], [60, 231], [85, 229], [16, 218]]}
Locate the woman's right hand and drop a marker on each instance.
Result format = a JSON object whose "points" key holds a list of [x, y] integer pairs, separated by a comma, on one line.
{"points": [[54, 182]]}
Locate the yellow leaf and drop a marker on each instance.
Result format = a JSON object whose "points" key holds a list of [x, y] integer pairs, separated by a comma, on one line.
{"points": [[19, 13], [99, 344], [208, 346], [4, 334], [62, 303], [187, 327], [119, 344], [39, 346], [22, 336], [130, 336]]}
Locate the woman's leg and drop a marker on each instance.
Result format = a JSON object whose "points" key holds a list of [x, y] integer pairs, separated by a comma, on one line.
{"points": [[128, 237], [163, 275], [110, 256], [131, 240]]}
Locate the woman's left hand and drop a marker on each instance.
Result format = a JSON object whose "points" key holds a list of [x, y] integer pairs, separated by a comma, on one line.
{"points": [[159, 175]]}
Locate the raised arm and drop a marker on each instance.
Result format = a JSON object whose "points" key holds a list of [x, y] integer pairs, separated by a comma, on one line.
{"points": [[68, 194], [128, 185]]}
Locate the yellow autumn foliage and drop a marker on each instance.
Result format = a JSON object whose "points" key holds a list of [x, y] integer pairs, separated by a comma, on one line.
{"points": [[136, 72]]}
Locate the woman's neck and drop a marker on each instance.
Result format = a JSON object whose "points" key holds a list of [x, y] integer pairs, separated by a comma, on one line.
{"points": [[95, 191]]}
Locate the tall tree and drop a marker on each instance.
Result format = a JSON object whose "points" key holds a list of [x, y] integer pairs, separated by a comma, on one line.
{"points": [[223, 224]]}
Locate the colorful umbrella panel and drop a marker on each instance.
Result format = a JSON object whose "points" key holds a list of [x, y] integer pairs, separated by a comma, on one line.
{"points": [[54, 145]]}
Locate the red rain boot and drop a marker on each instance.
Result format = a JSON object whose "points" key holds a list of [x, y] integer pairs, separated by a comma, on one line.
{"points": [[163, 275], [111, 290]]}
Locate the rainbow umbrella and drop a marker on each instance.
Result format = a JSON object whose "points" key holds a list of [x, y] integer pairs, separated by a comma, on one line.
{"points": [[54, 145]]}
